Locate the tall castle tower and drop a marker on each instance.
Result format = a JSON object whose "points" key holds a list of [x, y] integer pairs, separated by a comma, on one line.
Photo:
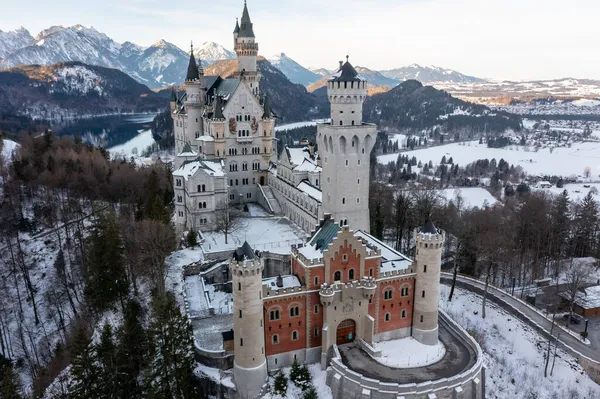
{"points": [[345, 146], [246, 49], [194, 87], [429, 243], [250, 364]]}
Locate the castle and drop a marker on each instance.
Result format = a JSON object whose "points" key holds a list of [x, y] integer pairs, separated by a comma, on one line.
{"points": [[343, 285]]}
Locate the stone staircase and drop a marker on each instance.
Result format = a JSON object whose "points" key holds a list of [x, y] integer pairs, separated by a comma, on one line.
{"points": [[271, 200]]}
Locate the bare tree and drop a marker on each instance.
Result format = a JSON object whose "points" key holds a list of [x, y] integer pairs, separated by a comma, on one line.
{"points": [[228, 220], [155, 241], [577, 276]]}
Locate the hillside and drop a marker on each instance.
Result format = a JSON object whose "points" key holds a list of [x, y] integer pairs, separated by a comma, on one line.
{"points": [[291, 102], [72, 89], [412, 106], [429, 74]]}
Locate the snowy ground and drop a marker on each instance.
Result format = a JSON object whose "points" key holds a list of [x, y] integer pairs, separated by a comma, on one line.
{"points": [[275, 234], [293, 392], [514, 354], [577, 191], [561, 162], [8, 148], [472, 196], [408, 352]]}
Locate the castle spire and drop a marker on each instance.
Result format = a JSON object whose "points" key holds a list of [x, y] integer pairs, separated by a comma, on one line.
{"points": [[237, 26], [246, 24], [192, 73]]}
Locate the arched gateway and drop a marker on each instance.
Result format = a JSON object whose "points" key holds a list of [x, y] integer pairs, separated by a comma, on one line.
{"points": [[346, 332]]}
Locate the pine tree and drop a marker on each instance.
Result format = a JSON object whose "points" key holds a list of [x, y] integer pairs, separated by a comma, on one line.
{"points": [[280, 385], [310, 393], [171, 370], [84, 369], [106, 277], [192, 238], [106, 352], [131, 350], [9, 383]]}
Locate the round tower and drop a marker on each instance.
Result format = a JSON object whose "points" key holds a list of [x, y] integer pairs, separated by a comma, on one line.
{"points": [[428, 262], [246, 48], [345, 146], [194, 89], [250, 363]]}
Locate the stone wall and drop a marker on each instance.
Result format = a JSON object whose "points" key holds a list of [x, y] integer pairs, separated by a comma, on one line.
{"points": [[470, 384]]}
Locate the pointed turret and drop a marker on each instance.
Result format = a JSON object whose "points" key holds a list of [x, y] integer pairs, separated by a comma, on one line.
{"points": [[237, 27], [246, 26], [192, 73], [173, 96], [267, 108]]}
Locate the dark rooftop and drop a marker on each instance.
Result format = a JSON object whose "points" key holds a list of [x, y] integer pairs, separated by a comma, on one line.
{"points": [[346, 73], [429, 228], [245, 252], [325, 235]]}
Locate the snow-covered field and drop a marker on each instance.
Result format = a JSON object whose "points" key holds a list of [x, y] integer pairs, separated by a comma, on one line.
{"points": [[561, 162], [472, 196], [293, 392], [515, 354], [275, 234], [408, 352], [8, 148], [576, 191]]}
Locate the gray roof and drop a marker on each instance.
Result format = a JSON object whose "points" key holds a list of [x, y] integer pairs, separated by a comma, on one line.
{"points": [[192, 72], [246, 26], [227, 87], [429, 228], [346, 73], [245, 252], [237, 26]]}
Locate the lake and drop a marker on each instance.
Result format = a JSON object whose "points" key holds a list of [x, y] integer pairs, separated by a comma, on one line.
{"points": [[126, 134]]}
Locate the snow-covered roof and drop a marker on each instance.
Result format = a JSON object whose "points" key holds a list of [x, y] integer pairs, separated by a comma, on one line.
{"points": [[190, 168], [390, 258], [205, 138], [288, 282], [301, 159], [310, 190], [589, 299]]}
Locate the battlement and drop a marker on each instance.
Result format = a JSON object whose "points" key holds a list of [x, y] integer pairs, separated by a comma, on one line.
{"points": [[268, 292], [367, 285], [246, 267], [429, 237]]}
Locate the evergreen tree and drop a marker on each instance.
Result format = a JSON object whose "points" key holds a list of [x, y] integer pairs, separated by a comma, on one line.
{"points": [[295, 371], [106, 277], [131, 350], [560, 220], [84, 369], [192, 238], [155, 206], [310, 393], [171, 371], [585, 226], [106, 352], [9, 382], [280, 385]]}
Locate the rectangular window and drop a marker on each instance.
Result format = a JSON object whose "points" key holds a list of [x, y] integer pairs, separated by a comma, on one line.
{"points": [[421, 318], [316, 309], [424, 268], [317, 281], [240, 314], [241, 341], [371, 272], [294, 335], [316, 332], [423, 294], [178, 182]]}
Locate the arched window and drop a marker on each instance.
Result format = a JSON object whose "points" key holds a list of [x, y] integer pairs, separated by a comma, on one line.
{"points": [[275, 339], [387, 317], [351, 274], [403, 314], [388, 294], [294, 335], [337, 276], [404, 291], [274, 314], [294, 311]]}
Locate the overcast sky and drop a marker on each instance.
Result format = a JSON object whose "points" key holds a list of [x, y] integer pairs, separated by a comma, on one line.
{"points": [[501, 39]]}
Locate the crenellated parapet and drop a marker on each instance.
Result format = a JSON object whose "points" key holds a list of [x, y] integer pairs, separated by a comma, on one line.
{"points": [[269, 292], [332, 294]]}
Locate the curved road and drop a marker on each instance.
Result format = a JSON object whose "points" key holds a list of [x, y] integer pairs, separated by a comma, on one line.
{"points": [[525, 313], [459, 357]]}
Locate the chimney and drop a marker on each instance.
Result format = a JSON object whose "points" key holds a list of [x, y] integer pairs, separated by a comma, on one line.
{"points": [[341, 64], [279, 282]]}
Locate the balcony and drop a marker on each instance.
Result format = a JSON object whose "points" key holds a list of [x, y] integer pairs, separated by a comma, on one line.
{"points": [[246, 139]]}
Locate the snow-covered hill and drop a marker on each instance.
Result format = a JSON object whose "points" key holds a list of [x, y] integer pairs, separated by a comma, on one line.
{"points": [[429, 74], [211, 52], [295, 72]]}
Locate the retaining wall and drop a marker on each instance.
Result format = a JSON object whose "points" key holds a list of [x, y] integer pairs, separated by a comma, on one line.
{"points": [[470, 384]]}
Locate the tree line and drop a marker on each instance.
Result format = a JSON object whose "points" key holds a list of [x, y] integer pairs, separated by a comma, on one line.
{"points": [[105, 226]]}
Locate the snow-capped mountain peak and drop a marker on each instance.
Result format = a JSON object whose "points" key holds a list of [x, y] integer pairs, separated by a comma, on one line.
{"points": [[210, 52], [295, 72], [13, 40]]}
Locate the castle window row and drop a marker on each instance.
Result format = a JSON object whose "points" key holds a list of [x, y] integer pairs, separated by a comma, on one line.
{"points": [[243, 118], [243, 133], [202, 205], [295, 336], [236, 182]]}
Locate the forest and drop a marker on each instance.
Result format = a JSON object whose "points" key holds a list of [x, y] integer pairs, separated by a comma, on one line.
{"points": [[85, 312]]}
